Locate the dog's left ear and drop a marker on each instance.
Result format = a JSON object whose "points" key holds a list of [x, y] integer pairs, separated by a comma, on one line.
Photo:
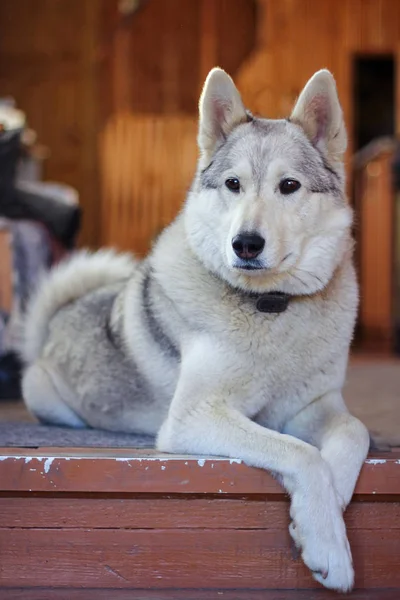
{"points": [[319, 113], [220, 110]]}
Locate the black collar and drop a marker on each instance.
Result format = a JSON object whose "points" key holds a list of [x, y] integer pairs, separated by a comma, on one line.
{"points": [[271, 302]]}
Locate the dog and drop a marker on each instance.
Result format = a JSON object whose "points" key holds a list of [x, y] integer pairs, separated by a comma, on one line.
{"points": [[232, 337]]}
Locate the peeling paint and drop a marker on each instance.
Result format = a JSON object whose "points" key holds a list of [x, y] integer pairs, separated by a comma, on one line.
{"points": [[128, 459], [163, 468], [47, 464], [376, 461]]}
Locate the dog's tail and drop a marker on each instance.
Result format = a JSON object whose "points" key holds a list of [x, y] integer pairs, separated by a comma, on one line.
{"points": [[72, 279]]}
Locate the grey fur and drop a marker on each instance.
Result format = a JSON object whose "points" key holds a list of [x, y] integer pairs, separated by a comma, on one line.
{"points": [[155, 328], [176, 346], [119, 384], [260, 139]]}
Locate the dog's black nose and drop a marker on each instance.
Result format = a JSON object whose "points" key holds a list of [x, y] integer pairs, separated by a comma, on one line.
{"points": [[248, 245]]}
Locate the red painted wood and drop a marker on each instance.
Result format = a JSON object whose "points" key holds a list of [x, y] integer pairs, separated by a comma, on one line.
{"points": [[176, 513], [217, 594], [128, 519], [133, 471], [159, 558]]}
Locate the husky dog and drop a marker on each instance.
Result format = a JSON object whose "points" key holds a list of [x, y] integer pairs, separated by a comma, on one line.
{"points": [[232, 336]]}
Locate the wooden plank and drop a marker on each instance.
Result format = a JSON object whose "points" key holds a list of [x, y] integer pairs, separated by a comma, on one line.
{"points": [[133, 471], [113, 594], [175, 513], [131, 474], [150, 512], [161, 558]]}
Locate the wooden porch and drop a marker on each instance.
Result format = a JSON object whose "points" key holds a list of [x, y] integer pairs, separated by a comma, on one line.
{"points": [[104, 523]]}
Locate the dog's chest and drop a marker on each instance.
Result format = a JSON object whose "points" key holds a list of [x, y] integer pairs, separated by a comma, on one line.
{"points": [[286, 360]]}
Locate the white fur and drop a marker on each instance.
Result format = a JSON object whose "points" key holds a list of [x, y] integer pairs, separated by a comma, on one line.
{"points": [[46, 396], [72, 279], [264, 388]]}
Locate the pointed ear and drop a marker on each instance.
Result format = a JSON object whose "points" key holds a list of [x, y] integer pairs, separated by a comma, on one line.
{"points": [[220, 110], [319, 113]]}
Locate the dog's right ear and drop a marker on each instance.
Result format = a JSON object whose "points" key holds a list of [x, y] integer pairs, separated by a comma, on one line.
{"points": [[220, 110]]}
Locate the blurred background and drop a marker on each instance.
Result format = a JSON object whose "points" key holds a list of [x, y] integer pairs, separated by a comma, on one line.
{"points": [[98, 109]]}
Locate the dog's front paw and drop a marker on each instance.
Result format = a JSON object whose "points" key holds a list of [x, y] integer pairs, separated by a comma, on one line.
{"points": [[339, 573], [318, 531]]}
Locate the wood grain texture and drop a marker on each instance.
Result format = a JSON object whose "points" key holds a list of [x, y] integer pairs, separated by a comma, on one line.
{"points": [[376, 210], [99, 519], [160, 558], [161, 73], [147, 164], [48, 63], [275, 73], [187, 594], [151, 511], [152, 83], [133, 471]]}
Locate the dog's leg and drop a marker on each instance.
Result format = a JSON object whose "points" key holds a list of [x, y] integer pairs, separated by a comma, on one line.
{"points": [[342, 439], [202, 419]]}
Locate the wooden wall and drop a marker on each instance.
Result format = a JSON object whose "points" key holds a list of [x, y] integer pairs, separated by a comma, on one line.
{"points": [[79, 66], [48, 62], [155, 62], [295, 39], [75, 66], [375, 250], [158, 57], [298, 37], [271, 47]]}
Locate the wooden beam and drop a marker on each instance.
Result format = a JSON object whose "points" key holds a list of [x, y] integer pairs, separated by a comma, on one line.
{"points": [[145, 471]]}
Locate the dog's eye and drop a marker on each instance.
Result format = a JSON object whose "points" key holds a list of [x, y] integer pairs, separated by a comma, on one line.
{"points": [[288, 186], [233, 184]]}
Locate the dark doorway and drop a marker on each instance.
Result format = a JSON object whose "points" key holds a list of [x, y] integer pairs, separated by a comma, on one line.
{"points": [[374, 118], [374, 98]]}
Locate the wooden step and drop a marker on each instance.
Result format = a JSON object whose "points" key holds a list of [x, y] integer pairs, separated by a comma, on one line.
{"points": [[97, 523]]}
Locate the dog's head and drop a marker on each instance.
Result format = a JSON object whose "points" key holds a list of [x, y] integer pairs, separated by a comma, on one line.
{"points": [[267, 210]]}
